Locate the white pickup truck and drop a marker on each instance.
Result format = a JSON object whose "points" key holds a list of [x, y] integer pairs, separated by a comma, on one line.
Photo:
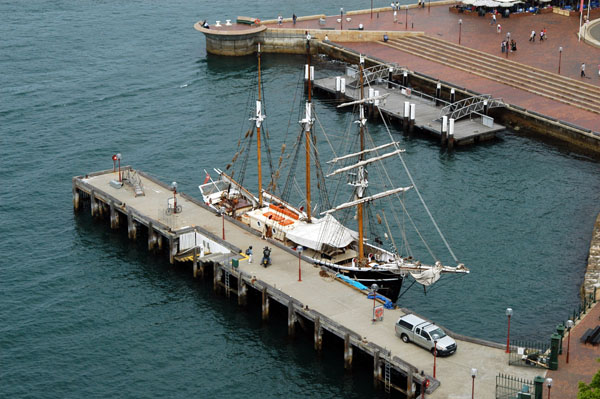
{"points": [[413, 328]]}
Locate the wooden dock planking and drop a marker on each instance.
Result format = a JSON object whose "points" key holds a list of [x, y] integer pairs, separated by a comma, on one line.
{"points": [[330, 306], [427, 115]]}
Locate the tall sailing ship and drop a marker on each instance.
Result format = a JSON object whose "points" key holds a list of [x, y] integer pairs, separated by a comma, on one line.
{"points": [[327, 241]]}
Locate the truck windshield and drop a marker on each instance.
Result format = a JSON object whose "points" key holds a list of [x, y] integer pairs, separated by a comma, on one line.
{"points": [[438, 331]]}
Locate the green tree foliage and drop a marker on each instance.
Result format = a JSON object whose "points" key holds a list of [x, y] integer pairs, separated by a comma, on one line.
{"points": [[591, 391]]}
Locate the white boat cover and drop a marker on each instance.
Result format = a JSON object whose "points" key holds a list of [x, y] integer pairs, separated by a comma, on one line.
{"points": [[324, 231], [429, 276]]}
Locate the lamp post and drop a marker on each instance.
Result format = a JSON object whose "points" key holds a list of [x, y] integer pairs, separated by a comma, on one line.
{"points": [[569, 325], [223, 218], [549, 385], [435, 339], [114, 158], [559, 58], [509, 313], [473, 375], [374, 288], [459, 30], [428, 6], [299, 249], [371, 9], [406, 22], [341, 19], [119, 159]]}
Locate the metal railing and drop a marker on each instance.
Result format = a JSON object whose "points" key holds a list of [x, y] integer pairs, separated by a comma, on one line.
{"points": [[529, 354], [509, 387], [467, 106]]}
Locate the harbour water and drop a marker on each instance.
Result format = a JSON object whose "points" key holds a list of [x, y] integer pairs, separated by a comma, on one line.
{"points": [[86, 313]]}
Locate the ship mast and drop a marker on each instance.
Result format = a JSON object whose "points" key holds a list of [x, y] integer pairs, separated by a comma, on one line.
{"points": [[307, 124], [259, 118], [362, 181]]}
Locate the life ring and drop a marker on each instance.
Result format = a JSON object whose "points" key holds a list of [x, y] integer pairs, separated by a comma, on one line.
{"points": [[379, 312], [257, 21]]}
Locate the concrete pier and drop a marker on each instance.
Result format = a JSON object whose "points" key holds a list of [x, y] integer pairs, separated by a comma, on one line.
{"points": [[319, 299]]}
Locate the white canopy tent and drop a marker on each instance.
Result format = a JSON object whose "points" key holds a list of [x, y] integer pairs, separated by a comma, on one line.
{"points": [[324, 231]]}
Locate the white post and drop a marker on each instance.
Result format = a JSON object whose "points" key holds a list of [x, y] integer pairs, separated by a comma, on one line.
{"points": [[413, 109], [343, 87], [376, 92], [305, 72], [312, 73], [406, 109]]}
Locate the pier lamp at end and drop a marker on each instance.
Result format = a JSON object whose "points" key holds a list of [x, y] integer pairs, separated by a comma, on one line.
{"points": [[473, 375], [509, 313], [549, 385]]}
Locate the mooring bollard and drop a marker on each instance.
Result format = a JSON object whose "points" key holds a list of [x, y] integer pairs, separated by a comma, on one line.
{"points": [[390, 77], [411, 123], [451, 134], [438, 93], [444, 130]]}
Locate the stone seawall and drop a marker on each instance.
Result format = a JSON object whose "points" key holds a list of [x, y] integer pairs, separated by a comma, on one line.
{"points": [[592, 273]]}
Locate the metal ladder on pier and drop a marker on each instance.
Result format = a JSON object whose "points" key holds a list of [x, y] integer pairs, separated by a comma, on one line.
{"points": [[387, 376], [227, 282]]}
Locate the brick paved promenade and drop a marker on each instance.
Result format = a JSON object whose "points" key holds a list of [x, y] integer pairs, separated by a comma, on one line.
{"points": [[477, 33]]}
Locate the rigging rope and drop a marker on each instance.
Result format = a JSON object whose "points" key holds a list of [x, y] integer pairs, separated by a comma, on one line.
{"points": [[419, 194]]}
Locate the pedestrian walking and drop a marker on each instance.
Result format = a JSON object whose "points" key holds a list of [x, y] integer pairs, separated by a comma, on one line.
{"points": [[249, 253], [395, 16], [583, 69], [294, 18], [279, 19], [542, 35], [532, 36], [493, 19], [599, 70], [499, 29], [503, 46]]}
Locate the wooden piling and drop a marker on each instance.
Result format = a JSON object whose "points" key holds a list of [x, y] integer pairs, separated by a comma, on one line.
{"points": [[195, 262], [347, 352], [131, 227], [151, 237], [410, 391], [114, 216], [242, 291], [318, 335], [265, 305], [76, 199], [376, 369], [291, 319], [172, 249], [93, 203], [216, 277]]}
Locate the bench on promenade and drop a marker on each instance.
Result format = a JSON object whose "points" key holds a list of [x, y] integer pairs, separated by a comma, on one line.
{"points": [[592, 336]]}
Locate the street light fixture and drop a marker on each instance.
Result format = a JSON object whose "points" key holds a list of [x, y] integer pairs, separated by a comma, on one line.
{"points": [[569, 326], [374, 288], [473, 375], [459, 30], [435, 339], [174, 188], [549, 385], [509, 313], [371, 9], [559, 58], [341, 19]]}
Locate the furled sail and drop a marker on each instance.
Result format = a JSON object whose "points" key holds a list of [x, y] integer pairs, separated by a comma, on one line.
{"points": [[429, 276]]}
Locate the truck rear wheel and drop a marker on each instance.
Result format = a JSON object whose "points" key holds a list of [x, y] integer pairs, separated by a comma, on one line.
{"points": [[405, 338]]}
